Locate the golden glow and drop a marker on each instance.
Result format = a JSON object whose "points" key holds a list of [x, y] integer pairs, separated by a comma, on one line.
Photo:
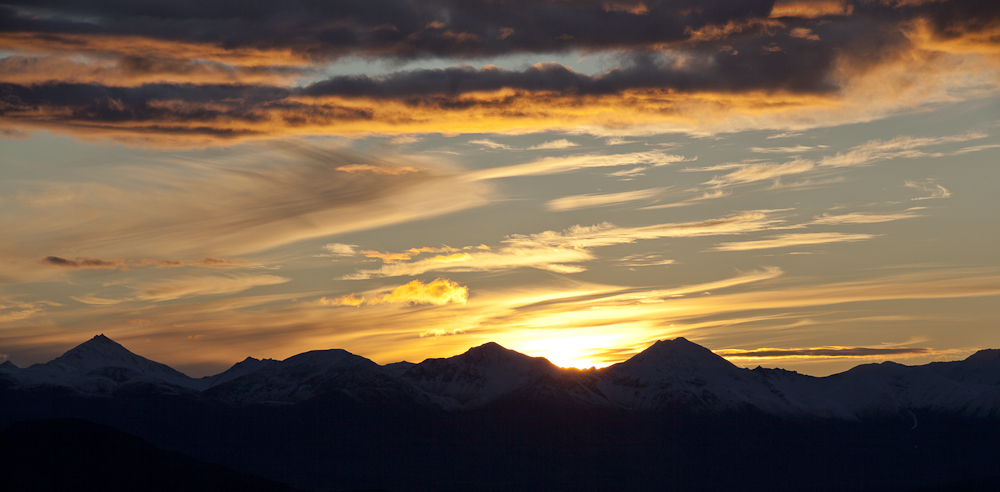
{"points": [[810, 9]]}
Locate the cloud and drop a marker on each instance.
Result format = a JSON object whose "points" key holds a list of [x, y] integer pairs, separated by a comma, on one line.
{"points": [[189, 286], [340, 249], [404, 140], [811, 9], [936, 190], [556, 165], [125, 265], [825, 352], [218, 262], [12, 310], [899, 147], [97, 301], [618, 141], [640, 260], [348, 300], [628, 174], [410, 253], [244, 200], [438, 292], [577, 202], [82, 263], [708, 195], [552, 259], [785, 135], [785, 150], [861, 218], [166, 76], [485, 142], [562, 143], [386, 257], [368, 168], [131, 70], [758, 171], [561, 252], [788, 240]]}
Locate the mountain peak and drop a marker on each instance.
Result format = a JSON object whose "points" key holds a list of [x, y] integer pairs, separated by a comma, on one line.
{"points": [[97, 349], [491, 352], [489, 348], [103, 352], [8, 365], [985, 355], [678, 353]]}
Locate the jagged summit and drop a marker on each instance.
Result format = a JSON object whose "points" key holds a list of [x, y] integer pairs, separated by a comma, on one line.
{"points": [[8, 365]]}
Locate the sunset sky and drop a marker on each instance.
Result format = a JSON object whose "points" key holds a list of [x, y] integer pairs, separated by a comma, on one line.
{"points": [[801, 184]]}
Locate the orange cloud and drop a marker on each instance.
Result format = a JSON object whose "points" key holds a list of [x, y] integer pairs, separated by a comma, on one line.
{"points": [[438, 292], [810, 9], [368, 168], [348, 300]]}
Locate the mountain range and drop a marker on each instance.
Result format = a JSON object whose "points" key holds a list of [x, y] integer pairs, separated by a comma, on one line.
{"points": [[669, 375], [674, 417]]}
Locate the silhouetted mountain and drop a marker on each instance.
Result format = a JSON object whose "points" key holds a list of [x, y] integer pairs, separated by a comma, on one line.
{"points": [[669, 375], [487, 373], [674, 417], [304, 376]]}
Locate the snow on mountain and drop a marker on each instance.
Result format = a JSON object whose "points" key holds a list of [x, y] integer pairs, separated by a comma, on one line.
{"points": [[101, 366], [967, 386], [489, 372], [306, 375], [681, 374], [239, 369]]}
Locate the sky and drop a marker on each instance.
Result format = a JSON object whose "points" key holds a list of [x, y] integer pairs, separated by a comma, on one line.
{"points": [[801, 184]]}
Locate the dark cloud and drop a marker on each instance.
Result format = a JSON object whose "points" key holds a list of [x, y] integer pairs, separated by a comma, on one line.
{"points": [[316, 29], [800, 66], [80, 263], [377, 27], [218, 110], [823, 352], [666, 48]]}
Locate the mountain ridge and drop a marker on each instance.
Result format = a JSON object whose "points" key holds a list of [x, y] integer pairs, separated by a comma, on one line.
{"points": [[670, 374]]}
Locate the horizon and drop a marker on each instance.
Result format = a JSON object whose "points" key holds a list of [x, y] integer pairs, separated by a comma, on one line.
{"points": [[805, 184], [202, 376]]}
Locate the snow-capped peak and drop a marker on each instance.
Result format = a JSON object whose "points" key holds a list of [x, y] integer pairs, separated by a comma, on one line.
{"points": [[101, 364], [480, 375]]}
